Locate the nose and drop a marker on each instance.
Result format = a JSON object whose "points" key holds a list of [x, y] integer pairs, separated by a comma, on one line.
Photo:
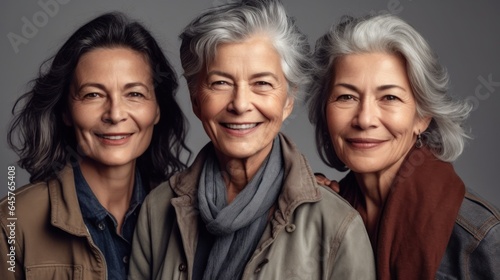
{"points": [[366, 116], [241, 100], [114, 111]]}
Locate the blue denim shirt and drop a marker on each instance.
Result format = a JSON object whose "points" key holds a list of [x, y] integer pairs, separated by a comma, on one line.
{"points": [[473, 251], [102, 225]]}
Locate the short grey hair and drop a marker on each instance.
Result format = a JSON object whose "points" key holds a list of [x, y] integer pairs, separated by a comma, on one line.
{"points": [[429, 81], [236, 22]]}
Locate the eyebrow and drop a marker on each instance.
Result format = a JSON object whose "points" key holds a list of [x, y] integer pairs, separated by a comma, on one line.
{"points": [[253, 76], [349, 86], [379, 88], [102, 87], [264, 74], [386, 87]]}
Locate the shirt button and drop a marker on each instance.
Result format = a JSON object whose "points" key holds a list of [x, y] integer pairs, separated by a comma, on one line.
{"points": [[182, 267], [125, 259], [101, 226], [290, 228]]}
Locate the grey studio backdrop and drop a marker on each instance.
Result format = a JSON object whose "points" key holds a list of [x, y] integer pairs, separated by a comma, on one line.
{"points": [[465, 35]]}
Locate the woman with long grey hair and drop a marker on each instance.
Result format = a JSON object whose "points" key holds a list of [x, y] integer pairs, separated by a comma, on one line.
{"points": [[382, 110], [249, 206]]}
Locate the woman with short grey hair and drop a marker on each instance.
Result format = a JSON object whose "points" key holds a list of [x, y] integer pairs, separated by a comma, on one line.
{"points": [[249, 206], [235, 23], [381, 109]]}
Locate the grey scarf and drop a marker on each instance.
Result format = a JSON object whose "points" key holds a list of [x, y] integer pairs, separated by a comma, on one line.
{"points": [[237, 227]]}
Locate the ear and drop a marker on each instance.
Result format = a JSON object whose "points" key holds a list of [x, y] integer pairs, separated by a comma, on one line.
{"points": [[422, 124], [287, 110]]}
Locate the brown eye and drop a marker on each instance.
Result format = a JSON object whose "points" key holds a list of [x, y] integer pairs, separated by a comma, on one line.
{"points": [[136, 94], [91, 95], [391, 98], [345, 97], [220, 85], [262, 83], [262, 86]]}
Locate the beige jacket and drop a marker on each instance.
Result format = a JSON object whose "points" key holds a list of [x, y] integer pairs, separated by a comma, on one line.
{"points": [[313, 233], [51, 239]]}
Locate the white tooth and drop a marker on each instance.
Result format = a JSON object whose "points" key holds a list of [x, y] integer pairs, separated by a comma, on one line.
{"points": [[241, 126], [113, 137]]}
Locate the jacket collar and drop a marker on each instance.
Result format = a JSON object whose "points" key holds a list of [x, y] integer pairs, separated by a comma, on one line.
{"points": [[299, 185], [65, 210]]}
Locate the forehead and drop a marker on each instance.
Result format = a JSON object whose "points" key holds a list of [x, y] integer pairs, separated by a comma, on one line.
{"points": [[373, 68], [119, 58], [254, 51]]}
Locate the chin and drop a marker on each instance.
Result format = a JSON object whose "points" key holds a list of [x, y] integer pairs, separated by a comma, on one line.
{"points": [[364, 167], [114, 162]]}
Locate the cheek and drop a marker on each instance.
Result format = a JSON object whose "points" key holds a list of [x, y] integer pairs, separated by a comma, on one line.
{"points": [[82, 118], [334, 121], [401, 124], [211, 107], [147, 117], [268, 107]]}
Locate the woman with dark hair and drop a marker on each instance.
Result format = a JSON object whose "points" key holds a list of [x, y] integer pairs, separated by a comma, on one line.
{"points": [[382, 110], [98, 129]]}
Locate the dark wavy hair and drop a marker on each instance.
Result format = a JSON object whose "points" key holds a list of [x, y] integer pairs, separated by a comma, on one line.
{"points": [[45, 144]]}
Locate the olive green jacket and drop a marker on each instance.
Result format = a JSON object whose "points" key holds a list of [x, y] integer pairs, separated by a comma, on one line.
{"points": [[312, 233]]}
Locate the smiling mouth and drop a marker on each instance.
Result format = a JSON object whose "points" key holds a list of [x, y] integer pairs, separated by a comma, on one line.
{"points": [[113, 137], [240, 126], [364, 141]]}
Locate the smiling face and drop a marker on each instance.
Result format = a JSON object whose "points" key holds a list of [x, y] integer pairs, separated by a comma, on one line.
{"points": [[371, 112], [242, 99], [112, 106]]}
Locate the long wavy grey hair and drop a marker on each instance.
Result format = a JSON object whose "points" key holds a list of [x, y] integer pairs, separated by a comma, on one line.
{"points": [[429, 81]]}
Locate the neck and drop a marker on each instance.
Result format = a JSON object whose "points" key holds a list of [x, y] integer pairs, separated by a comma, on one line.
{"points": [[238, 172], [375, 187], [113, 186]]}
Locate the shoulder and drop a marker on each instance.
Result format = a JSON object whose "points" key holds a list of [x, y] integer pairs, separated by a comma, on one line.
{"points": [[182, 183], [477, 216], [24, 198], [336, 202], [160, 195], [28, 208], [180, 186], [331, 212], [474, 246]]}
